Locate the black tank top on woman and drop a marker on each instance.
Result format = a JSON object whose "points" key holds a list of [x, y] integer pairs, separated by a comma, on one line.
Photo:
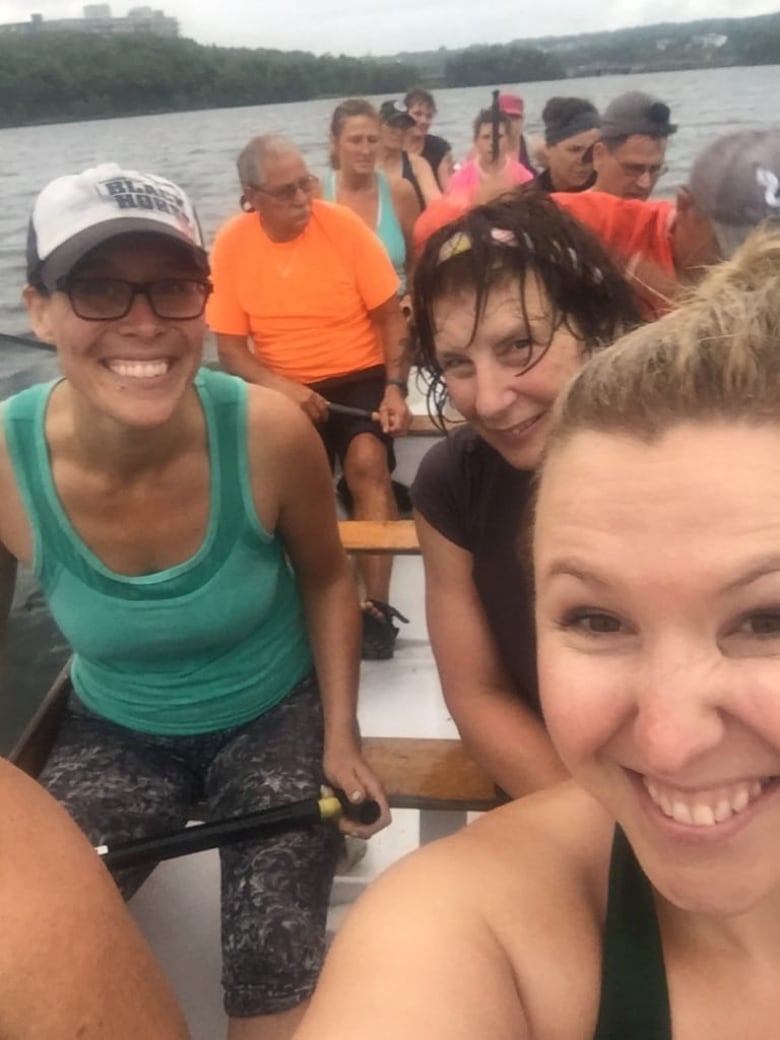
{"points": [[634, 1001]]}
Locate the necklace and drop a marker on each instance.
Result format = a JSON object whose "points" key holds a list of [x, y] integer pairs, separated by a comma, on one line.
{"points": [[291, 254]]}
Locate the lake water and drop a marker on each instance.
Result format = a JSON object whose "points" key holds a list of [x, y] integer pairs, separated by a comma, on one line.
{"points": [[198, 150]]}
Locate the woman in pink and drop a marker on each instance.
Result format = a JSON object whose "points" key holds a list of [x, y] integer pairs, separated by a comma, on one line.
{"points": [[485, 176]]}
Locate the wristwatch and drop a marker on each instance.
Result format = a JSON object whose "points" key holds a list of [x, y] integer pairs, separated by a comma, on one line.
{"points": [[400, 383]]}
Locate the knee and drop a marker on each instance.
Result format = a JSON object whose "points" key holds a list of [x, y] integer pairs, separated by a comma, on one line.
{"points": [[365, 465]]}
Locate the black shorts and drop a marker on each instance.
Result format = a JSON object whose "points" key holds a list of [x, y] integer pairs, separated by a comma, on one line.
{"points": [[119, 784], [358, 390]]}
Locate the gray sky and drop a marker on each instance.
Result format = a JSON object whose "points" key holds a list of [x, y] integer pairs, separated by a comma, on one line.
{"points": [[385, 26]]}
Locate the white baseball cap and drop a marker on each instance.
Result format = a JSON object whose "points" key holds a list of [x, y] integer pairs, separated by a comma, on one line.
{"points": [[76, 213]]}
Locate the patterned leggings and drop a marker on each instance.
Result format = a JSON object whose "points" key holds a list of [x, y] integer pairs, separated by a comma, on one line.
{"points": [[119, 784]]}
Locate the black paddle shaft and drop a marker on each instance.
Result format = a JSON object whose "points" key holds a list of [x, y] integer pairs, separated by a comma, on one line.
{"points": [[262, 824], [495, 126]]}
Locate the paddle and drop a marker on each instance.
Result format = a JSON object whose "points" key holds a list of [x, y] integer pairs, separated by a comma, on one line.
{"points": [[266, 822], [494, 114], [355, 413]]}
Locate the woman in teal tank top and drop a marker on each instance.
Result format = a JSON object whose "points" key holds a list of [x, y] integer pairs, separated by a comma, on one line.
{"points": [[183, 528], [390, 208], [640, 900]]}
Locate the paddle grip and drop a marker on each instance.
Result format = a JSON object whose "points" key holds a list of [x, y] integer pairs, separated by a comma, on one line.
{"points": [[366, 812]]}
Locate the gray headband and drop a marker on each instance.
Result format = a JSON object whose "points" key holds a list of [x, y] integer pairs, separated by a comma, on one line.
{"points": [[557, 132]]}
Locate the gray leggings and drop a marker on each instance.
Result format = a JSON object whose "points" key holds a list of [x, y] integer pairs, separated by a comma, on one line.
{"points": [[119, 784]]}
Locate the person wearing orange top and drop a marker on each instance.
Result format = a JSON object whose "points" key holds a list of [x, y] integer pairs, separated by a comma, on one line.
{"points": [[305, 302], [734, 185]]}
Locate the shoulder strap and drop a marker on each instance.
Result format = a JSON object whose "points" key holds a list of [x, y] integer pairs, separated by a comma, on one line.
{"points": [[634, 996]]}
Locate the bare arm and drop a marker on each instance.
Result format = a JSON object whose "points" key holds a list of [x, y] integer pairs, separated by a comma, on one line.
{"points": [[393, 332], [501, 732], [72, 961], [289, 462], [417, 959], [407, 209], [425, 178], [445, 170], [237, 357]]}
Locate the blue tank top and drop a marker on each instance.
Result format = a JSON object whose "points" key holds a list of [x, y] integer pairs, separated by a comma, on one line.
{"points": [[388, 226], [207, 644]]}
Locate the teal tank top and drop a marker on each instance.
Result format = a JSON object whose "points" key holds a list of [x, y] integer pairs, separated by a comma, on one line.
{"points": [[210, 643], [634, 996], [388, 227]]}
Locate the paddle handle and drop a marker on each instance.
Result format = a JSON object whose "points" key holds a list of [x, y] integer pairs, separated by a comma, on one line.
{"points": [[355, 413], [261, 824]]}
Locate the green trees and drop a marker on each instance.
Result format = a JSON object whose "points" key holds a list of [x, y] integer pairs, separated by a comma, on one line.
{"points": [[501, 63], [53, 76]]}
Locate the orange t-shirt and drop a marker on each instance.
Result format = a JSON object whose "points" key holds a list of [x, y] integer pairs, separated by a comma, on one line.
{"points": [[627, 228], [305, 303]]}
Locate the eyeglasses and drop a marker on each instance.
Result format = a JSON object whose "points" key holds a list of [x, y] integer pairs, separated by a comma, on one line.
{"points": [[106, 299], [287, 192], [637, 170]]}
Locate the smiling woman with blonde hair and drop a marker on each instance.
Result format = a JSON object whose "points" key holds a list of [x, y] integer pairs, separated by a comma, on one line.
{"points": [[642, 899]]}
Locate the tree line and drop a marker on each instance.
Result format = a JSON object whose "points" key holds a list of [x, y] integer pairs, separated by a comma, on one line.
{"points": [[54, 76]]}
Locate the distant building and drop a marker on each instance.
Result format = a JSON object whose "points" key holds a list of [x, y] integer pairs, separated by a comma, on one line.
{"points": [[98, 19]]}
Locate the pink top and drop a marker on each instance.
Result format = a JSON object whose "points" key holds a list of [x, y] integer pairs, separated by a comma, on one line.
{"points": [[468, 179]]}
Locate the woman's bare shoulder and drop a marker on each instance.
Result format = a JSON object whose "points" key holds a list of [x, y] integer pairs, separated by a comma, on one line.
{"points": [[504, 914]]}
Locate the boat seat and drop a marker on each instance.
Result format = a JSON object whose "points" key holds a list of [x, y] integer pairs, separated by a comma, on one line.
{"points": [[437, 777], [398, 537]]}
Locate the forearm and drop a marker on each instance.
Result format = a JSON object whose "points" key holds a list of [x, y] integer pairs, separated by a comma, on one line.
{"points": [[506, 739], [333, 623], [394, 336]]}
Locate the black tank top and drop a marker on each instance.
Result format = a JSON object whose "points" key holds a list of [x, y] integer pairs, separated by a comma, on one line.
{"points": [[408, 174], [634, 998]]}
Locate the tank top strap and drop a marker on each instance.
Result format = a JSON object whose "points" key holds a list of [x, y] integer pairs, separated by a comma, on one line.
{"points": [[224, 399], [634, 995]]}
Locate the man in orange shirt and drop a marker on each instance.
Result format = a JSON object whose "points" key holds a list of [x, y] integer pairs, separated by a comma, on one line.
{"points": [[734, 186], [305, 303], [629, 157]]}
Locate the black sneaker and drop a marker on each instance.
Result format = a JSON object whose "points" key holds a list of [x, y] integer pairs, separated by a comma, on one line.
{"points": [[379, 633]]}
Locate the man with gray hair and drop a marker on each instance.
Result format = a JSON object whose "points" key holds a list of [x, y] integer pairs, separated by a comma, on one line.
{"points": [[629, 157], [733, 187], [305, 302]]}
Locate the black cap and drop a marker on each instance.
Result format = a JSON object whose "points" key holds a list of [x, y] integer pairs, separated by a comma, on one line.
{"points": [[636, 113], [395, 113]]}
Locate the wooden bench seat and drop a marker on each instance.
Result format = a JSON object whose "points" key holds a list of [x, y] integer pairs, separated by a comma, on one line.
{"points": [[420, 773], [379, 536], [436, 777]]}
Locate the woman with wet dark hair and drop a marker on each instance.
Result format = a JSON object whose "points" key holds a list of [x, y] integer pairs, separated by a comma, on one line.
{"points": [[508, 302]]}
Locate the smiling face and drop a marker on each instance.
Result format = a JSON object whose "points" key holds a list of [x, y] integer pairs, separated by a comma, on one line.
{"points": [[504, 380], [357, 146], [571, 161], [658, 618], [137, 369]]}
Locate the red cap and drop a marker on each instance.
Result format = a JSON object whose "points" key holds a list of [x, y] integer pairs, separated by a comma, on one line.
{"points": [[511, 104]]}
